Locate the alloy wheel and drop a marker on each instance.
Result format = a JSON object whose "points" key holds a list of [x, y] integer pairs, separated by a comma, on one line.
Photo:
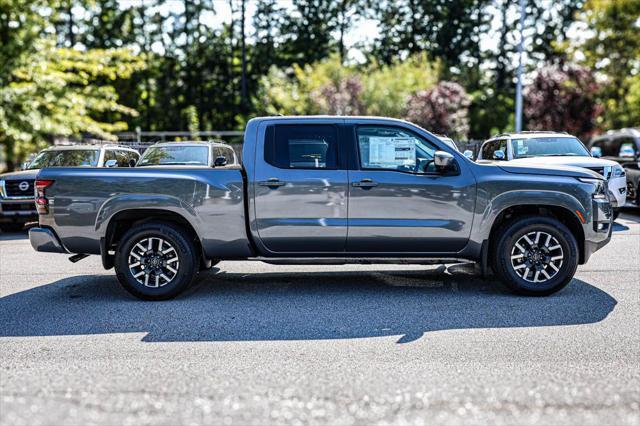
{"points": [[153, 262], [537, 257]]}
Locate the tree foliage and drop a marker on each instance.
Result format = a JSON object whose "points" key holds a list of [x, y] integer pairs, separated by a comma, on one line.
{"points": [[46, 90], [328, 87], [613, 50], [563, 98], [442, 109]]}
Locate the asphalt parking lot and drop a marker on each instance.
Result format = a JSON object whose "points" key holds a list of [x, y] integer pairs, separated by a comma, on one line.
{"points": [[252, 343]]}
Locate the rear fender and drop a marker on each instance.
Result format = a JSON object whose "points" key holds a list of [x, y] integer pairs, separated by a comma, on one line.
{"points": [[120, 203]]}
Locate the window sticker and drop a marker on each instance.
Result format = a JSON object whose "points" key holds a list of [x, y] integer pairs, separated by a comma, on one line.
{"points": [[520, 147], [392, 152]]}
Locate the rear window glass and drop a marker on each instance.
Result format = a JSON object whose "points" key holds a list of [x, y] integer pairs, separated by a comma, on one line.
{"points": [[175, 155], [302, 146]]}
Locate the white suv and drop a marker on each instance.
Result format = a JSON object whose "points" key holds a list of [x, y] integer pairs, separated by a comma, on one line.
{"points": [[16, 189], [556, 149]]}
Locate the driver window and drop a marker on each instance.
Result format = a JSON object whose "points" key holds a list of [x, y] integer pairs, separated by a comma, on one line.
{"points": [[109, 155], [489, 149], [390, 148]]}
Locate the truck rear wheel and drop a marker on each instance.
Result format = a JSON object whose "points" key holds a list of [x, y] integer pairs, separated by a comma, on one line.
{"points": [[155, 261], [535, 256]]}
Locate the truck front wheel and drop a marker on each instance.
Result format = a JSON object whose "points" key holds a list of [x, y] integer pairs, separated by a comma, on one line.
{"points": [[155, 261], [535, 256]]}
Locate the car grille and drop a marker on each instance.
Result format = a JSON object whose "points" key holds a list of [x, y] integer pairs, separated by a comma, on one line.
{"points": [[604, 171], [12, 188], [18, 207]]}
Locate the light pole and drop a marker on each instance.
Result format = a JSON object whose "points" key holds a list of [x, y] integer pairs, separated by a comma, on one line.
{"points": [[519, 72]]}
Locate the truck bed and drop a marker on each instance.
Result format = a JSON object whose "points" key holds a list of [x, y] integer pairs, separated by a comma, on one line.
{"points": [[85, 200]]}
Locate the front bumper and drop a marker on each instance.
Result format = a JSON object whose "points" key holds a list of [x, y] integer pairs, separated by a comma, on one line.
{"points": [[18, 210], [45, 240], [617, 191], [598, 233]]}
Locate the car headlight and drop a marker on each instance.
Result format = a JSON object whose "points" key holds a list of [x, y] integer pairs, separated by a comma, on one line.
{"points": [[617, 172], [599, 190]]}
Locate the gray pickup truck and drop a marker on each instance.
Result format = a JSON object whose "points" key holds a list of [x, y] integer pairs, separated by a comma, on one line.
{"points": [[327, 190]]}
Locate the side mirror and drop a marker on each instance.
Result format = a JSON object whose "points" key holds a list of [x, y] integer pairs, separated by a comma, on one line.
{"points": [[499, 155], [111, 163], [596, 151], [468, 154], [132, 162], [220, 161], [443, 161]]}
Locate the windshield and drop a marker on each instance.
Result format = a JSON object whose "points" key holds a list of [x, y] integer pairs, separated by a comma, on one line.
{"points": [[548, 147], [175, 155], [66, 158]]}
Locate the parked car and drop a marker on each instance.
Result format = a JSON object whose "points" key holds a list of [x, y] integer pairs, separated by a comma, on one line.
{"points": [[327, 190], [556, 149], [17, 189], [192, 153], [633, 183], [622, 146]]}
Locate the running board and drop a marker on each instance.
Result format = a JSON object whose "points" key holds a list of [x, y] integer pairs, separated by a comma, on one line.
{"points": [[358, 261]]}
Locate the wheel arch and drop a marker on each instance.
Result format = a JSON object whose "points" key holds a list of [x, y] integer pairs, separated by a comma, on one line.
{"points": [[120, 222], [563, 214]]}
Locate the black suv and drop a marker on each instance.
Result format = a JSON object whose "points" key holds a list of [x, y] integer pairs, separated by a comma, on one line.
{"points": [[622, 146]]}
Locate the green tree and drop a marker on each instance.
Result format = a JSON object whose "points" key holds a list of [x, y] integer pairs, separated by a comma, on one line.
{"points": [[307, 33], [47, 91], [613, 50], [328, 87]]}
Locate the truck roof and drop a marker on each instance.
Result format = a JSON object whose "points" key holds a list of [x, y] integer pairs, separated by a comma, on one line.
{"points": [[329, 117]]}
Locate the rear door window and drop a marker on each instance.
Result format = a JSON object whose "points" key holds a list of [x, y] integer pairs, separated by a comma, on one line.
{"points": [[302, 146], [109, 155]]}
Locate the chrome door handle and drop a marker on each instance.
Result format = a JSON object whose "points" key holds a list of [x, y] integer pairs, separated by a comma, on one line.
{"points": [[273, 182], [365, 183]]}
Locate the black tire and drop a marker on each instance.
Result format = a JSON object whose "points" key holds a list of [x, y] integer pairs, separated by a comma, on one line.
{"points": [[184, 250], [616, 213], [511, 233]]}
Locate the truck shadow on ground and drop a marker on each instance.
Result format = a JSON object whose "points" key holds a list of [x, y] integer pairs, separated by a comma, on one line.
{"points": [[296, 306]]}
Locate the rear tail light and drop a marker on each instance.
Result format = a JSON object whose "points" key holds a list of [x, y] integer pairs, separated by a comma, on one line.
{"points": [[42, 203]]}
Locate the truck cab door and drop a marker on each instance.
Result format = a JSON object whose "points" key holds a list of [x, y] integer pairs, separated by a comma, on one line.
{"points": [[300, 188], [399, 202]]}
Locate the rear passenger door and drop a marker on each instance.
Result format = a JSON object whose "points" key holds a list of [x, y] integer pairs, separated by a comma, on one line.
{"points": [[300, 188]]}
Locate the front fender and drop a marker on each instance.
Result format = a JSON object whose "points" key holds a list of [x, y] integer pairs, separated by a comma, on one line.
{"points": [[513, 198]]}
